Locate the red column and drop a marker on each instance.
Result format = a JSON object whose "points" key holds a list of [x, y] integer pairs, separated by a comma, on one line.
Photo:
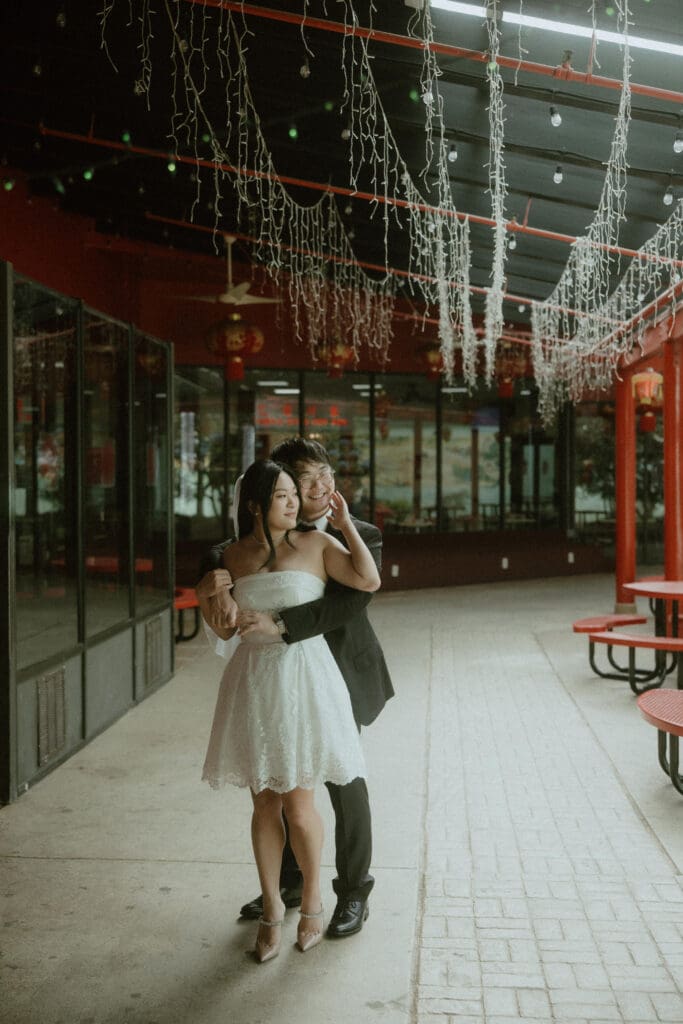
{"points": [[625, 492], [673, 458]]}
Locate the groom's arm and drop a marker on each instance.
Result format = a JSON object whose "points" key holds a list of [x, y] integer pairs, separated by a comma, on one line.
{"points": [[336, 608]]}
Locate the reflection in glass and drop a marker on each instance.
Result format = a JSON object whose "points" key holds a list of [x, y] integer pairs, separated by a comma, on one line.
{"points": [[199, 455], [151, 474], [337, 414], [470, 469], [45, 331], [105, 472], [264, 409], [405, 454], [530, 479]]}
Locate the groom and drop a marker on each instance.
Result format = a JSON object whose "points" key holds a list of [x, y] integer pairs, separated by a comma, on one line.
{"points": [[342, 617]]}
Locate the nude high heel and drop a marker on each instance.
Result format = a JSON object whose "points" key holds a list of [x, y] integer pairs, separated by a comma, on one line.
{"points": [[268, 951], [305, 939]]}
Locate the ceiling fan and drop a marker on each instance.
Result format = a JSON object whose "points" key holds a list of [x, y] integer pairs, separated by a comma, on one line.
{"points": [[234, 294]]}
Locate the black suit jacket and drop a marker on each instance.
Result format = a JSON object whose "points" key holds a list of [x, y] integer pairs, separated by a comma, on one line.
{"points": [[341, 614]]}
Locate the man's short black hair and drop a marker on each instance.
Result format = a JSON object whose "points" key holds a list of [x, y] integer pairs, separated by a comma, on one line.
{"points": [[299, 449]]}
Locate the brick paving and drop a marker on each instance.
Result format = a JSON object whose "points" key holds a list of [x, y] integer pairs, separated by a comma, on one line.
{"points": [[547, 897]]}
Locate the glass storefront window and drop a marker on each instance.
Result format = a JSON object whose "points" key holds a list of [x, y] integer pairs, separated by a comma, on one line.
{"points": [[151, 473], [264, 409], [594, 483], [199, 454], [470, 474], [337, 414], [405, 454], [45, 453], [530, 488], [105, 472]]}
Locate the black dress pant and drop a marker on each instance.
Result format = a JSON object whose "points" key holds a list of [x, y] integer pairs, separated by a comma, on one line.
{"points": [[352, 840]]}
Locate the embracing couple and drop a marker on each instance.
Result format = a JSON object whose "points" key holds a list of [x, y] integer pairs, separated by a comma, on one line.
{"points": [[306, 675]]}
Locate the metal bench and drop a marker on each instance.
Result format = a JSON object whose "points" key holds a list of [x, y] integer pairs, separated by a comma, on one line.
{"points": [[184, 598], [664, 710], [638, 679], [600, 623]]}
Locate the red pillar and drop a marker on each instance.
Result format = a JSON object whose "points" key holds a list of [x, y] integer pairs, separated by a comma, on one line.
{"points": [[625, 492], [673, 458]]}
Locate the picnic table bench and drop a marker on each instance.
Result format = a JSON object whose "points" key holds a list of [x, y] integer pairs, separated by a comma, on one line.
{"points": [[184, 599], [600, 623], [639, 680], [664, 710]]}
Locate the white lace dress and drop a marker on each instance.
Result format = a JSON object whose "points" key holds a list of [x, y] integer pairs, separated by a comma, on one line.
{"points": [[283, 716]]}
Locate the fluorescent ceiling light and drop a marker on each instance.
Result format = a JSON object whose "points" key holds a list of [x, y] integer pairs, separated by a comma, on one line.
{"points": [[286, 391], [453, 391], [458, 8], [360, 387], [563, 27], [272, 383]]}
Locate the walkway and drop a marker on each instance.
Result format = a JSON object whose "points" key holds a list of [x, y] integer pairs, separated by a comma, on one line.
{"points": [[528, 849]]}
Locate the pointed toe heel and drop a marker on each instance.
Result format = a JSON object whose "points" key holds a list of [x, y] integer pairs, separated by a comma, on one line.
{"points": [[306, 940], [264, 951]]}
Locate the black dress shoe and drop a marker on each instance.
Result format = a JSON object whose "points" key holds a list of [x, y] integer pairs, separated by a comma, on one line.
{"points": [[291, 897], [348, 917]]}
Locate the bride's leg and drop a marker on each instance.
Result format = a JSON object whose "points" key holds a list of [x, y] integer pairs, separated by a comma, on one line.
{"points": [[268, 840], [306, 838]]}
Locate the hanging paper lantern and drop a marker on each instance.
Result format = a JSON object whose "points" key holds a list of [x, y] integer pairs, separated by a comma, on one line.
{"points": [[234, 368], [234, 336], [647, 390], [233, 339], [152, 361], [431, 360], [337, 357], [647, 422]]}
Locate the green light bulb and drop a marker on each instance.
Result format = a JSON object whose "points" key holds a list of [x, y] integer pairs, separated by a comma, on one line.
{"points": [[126, 138], [293, 132], [8, 184], [171, 166], [89, 174]]}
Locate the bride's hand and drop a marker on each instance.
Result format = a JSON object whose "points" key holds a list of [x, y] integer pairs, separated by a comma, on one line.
{"points": [[339, 515], [256, 622]]}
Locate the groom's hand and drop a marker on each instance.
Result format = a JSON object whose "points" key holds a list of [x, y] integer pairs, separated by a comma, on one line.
{"points": [[256, 622]]}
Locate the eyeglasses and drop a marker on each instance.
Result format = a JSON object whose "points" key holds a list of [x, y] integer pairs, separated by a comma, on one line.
{"points": [[326, 476]]}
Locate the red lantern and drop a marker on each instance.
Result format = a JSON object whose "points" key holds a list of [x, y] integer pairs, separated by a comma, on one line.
{"points": [[234, 368], [151, 361], [432, 360], [337, 356], [234, 337], [647, 390], [647, 422]]}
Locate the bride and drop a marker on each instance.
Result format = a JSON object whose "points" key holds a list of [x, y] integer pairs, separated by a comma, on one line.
{"points": [[283, 721]]}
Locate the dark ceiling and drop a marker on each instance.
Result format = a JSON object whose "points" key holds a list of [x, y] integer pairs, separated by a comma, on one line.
{"points": [[55, 74]]}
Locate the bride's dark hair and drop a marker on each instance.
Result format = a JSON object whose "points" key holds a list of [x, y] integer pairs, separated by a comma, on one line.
{"points": [[256, 494]]}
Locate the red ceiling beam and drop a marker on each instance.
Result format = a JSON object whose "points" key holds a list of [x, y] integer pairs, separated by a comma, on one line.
{"points": [[562, 72], [380, 268], [316, 186]]}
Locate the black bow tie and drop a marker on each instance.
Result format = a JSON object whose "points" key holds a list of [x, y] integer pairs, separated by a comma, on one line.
{"points": [[305, 527]]}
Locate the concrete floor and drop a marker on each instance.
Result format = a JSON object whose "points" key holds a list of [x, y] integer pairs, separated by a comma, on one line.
{"points": [[528, 848]]}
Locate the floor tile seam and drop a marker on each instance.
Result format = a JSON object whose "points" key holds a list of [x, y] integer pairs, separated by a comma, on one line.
{"points": [[423, 854], [62, 859]]}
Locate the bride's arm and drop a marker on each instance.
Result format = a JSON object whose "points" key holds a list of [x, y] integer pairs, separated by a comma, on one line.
{"points": [[355, 567]]}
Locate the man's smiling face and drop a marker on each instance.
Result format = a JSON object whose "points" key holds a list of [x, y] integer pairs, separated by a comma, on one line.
{"points": [[316, 484]]}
